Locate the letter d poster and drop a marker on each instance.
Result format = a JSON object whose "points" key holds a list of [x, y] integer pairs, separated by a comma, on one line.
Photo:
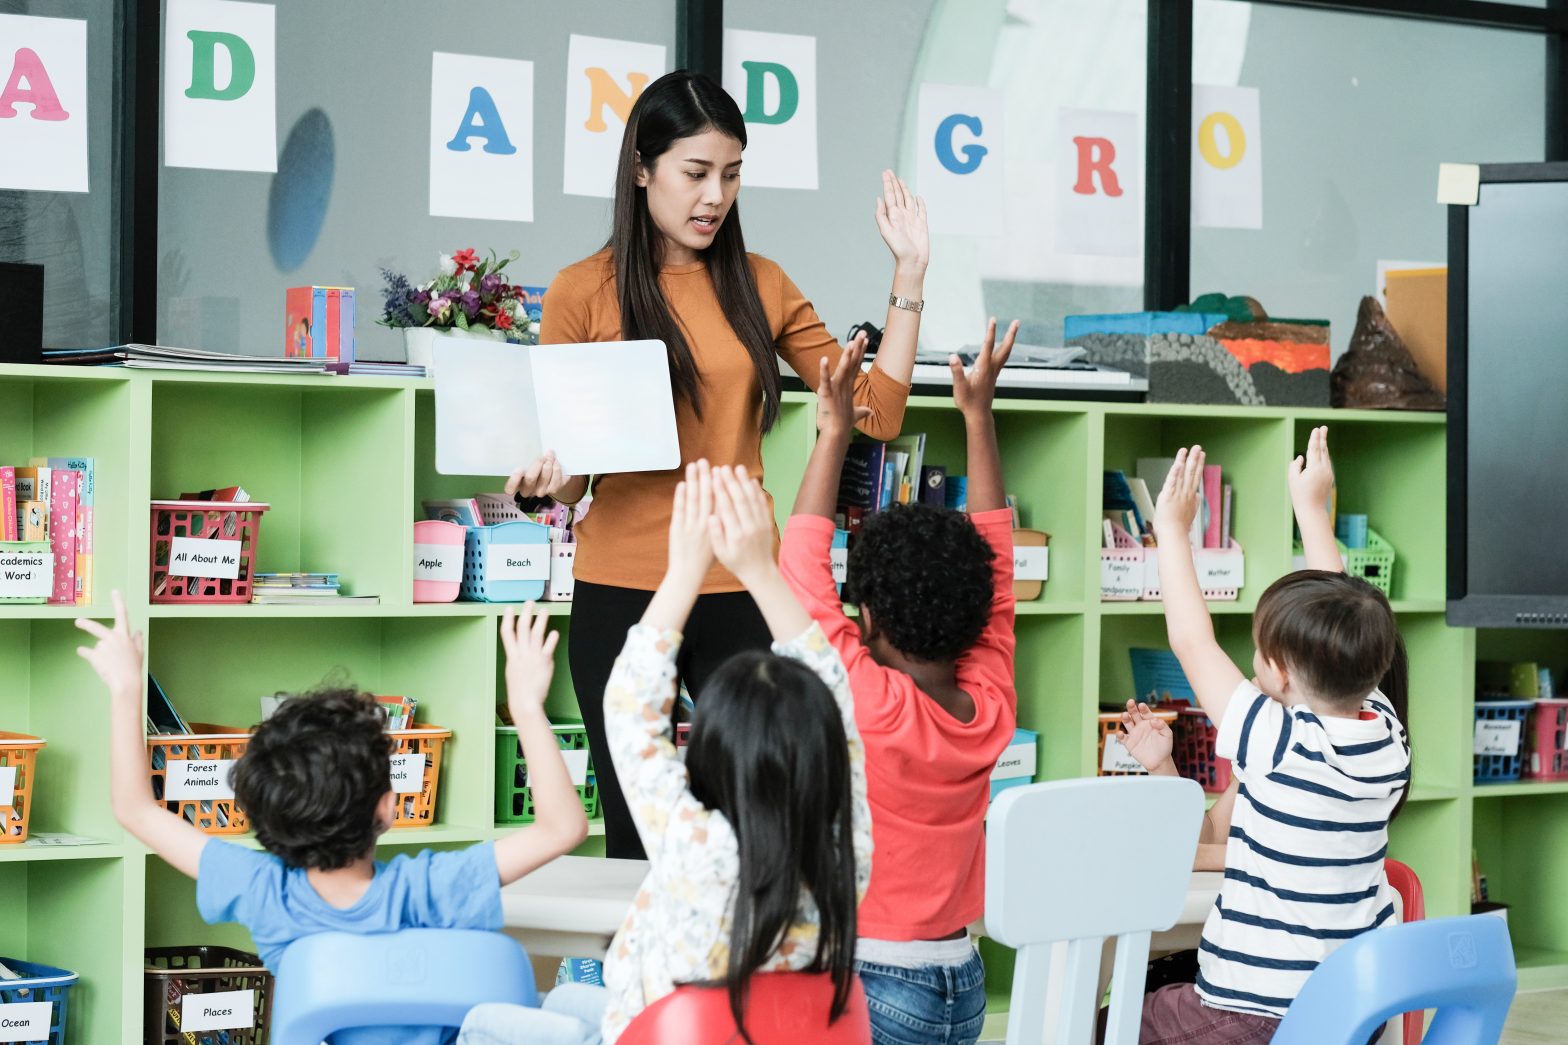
{"points": [[220, 86]]}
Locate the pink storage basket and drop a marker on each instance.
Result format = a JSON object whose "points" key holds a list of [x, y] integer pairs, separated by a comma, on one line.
{"points": [[438, 560], [1546, 740], [235, 523], [1194, 750]]}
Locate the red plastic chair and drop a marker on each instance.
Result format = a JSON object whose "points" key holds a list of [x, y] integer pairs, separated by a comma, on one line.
{"points": [[1408, 886], [783, 1008]]}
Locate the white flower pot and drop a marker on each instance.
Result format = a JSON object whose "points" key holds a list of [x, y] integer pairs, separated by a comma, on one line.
{"points": [[419, 342]]}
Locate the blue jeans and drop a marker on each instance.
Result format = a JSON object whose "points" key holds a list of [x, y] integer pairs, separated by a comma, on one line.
{"points": [[932, 1005], [570, 1015]]}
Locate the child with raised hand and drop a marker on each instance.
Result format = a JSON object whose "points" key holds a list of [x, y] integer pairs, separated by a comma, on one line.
{"points": [[931, 666], [760, 842], [315, 780], [1319, 757]]}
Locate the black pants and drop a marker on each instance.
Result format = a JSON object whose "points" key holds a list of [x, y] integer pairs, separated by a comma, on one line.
{"points": [[719, 627]]}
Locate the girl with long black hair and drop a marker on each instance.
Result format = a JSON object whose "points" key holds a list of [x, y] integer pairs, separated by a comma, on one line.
{"points": [[676, 269]]}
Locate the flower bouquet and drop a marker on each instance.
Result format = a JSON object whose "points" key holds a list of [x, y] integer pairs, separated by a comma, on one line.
{"points": [[467, 296]]}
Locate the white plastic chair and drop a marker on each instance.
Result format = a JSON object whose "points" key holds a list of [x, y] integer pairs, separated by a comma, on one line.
{"points": [[1072, 863]]}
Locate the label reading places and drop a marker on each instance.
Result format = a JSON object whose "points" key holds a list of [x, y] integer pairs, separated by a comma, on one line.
{"points": [[1030, 564], [438, 562], [26, 1021], [408, 774], [26, 575], [1117, 759], [517, 562], [224, 1010], [191, 780], [7, 785], [199, 557], [838, 560], [1497, 736]]}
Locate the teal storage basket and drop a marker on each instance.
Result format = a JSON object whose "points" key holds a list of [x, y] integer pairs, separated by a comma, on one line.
{"points": [[507, 562], [39, 983]]}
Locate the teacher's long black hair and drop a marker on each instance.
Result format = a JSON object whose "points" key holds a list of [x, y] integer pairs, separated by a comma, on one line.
{"points": [[675, 106], [768, 751]]}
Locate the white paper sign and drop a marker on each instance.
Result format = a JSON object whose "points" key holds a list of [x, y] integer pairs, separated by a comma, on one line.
{"points": [[773, 78], [838, 561], [1099, 195], [1019, 760], [438, 562], [1031, 563], [26, 575], [1121, 578], [7, 785], [408, 774], [517, 562], [224, 1010], [1227, 158], [203, 557], [576, 768], [26, 1021], [192, 780], [603, 80], [1497, 736], [481, 137], [958, 159], [43, 104], [220, 85], [1116, 759]]}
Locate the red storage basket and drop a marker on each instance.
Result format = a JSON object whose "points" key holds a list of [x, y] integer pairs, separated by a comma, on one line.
{"points": [[238, 522], [1546, 740], [1193, 751]]}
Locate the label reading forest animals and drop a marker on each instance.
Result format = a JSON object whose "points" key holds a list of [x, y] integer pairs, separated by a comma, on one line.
{"points": [[1117, 759], [26, 1021], [438, 562], [224, 1010], [517, 562], [190, 780], [26, 575], [408, 774], [1497, 736], [1030, 563], [201, 557]]}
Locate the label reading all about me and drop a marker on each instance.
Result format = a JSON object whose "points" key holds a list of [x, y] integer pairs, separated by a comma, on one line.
{"points": [[7, 785], [225, 1010], [1030, 563], [517, 562], [1117, 759], [26, 1021], [408, 774], [198, 557], [438, 562], [1497, 736], [189, 780], [26, 575]]}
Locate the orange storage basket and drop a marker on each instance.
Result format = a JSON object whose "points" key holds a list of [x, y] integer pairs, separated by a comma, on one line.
{"points": [[418, 809], [18, 751], [215, 816]]}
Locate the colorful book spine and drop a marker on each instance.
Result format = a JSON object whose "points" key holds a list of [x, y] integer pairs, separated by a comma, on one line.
{"points": [[33, 520], [1211, 500], [8, 517], [62, 539], [86, 466], [1225, 518]]}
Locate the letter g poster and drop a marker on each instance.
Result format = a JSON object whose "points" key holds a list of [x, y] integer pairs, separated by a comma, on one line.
{"points": [[220, 86]]}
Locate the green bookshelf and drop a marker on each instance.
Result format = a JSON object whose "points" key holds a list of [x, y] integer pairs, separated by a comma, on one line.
{"points": [[344, 464]]}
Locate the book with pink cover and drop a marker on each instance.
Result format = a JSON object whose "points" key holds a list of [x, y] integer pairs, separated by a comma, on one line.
{"points": [[1212, 496], [63, 495], [8, 531]]}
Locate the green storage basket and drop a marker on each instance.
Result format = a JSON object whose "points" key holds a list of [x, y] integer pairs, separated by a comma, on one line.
{"points": [[1373, 564], [514, 799], [33, 557]]}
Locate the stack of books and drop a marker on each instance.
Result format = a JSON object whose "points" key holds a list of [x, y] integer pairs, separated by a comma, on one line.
{"points": [[51, 499], [164, 357], [302, 589]]}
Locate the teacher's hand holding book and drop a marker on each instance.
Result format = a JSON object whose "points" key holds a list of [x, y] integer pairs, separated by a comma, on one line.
{"points": [[543, 477]]}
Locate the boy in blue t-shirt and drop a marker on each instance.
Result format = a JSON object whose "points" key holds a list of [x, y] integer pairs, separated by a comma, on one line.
{"points": [[315, 781]]}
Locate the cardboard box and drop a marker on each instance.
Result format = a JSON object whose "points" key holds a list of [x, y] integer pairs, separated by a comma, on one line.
{"points": [[1418, 308], [319, 324]]}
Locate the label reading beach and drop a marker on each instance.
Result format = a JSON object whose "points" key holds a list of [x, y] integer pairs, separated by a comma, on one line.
{"points": [[517, 562], [838, 560], [1030, 564], [189, 780], [576, 768], [26, 575], [7, 785], [26, 1021], [226, 1010], [438, 562], [1116, 758], [198, 557], [408, 774], [1497, 737]]}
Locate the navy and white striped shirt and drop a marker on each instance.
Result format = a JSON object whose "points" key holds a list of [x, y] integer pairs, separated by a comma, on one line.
{"points": [[1304, 862]]}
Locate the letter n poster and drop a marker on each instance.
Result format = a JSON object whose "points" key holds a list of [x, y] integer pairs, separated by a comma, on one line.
{"points": [[603, 80], [220, 85], [1099, 183]]}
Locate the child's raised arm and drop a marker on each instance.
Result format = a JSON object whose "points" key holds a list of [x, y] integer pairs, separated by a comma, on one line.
{"points": [[559, 823], [118, 658], [1210, 671], [836, 418], [1311, 482], [691, 552], [742, 534], [973, 394]]}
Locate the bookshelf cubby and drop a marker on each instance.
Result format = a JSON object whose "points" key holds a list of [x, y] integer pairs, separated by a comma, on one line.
{"points": [[344, 462]]}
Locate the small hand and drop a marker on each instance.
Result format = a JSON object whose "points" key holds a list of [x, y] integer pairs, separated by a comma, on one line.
{"points": [[974, 392], [1312, 475], [120, 654], [691, 549], [1146, 736], [742, 525], [901, 218], [540, 478], [530, 660], [1181, 495], [837, 413]]}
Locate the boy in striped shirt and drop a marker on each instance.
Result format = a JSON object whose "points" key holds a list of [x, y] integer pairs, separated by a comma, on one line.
{"points": [[1320, 761]]}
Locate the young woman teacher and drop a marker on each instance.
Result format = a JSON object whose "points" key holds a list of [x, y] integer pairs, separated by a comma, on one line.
{"points": [[676, 269]]}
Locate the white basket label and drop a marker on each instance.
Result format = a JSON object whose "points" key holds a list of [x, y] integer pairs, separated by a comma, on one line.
{"points": [[517, 562], [1121, 578], [408, 774], [576, 767], [1031, 563], [1019, 760], [26, 1021], [200, 557], [189, 779], [1117, 759], [1497, 736], [838, 561], [7, 785], [438, 562], [26, 575], [224, 1010]]}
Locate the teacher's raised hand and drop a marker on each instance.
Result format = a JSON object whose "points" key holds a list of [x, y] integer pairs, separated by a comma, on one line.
{"points": [[901, 218]]}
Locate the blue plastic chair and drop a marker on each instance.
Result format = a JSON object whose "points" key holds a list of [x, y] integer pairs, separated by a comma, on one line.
{"points": [[1462, 967], [331, 982]]}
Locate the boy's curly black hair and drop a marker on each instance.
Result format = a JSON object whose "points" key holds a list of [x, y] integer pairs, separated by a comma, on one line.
{"points": [[311, 777], [924, 573]]}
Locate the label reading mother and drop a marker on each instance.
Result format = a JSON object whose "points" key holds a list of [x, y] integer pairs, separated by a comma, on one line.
{"points": [[408, 774], [26, 575], [517, 562], [198, 557], [26, 1021], [838, 559], [1030, 563], [1497, 736], [189, 780], [7, 785], [226, 1010], [438, 562]]}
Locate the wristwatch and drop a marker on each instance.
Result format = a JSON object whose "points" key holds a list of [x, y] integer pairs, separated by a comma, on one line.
{"points": [[898, 302]]}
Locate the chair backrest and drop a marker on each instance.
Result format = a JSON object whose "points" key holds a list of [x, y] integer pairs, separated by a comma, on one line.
{"points": [[1412, 906], [330, 982], [1462, 967], [1075, 862], [782, 1008]]}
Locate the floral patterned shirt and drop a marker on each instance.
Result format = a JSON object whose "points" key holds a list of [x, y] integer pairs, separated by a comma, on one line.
{"points": [[678, 929]]}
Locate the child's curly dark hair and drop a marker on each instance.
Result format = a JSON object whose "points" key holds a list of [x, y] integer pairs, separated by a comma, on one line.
{"points": [[312, 775], [924, 573]]}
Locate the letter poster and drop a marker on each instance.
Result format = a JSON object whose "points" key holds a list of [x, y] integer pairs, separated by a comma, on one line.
{"points": [[43, 103], [1227, 158], [481, 137], [603, 81], [958, 159], [773, 78], [220, 86], [1099, 183]]}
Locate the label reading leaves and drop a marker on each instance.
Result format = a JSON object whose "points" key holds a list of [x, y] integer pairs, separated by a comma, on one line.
{"points": [[1117, 759], [199, 557], [438, 562], [517, 562], [26, 1021], [225, 1010], [1030, 563], [408, 774], [190, 780], [26, 575], [7, 785], [838, 561], [1497, 736]]}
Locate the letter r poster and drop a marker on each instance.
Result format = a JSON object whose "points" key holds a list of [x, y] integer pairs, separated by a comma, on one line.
{"points": [[220, 86], [1099, 182]]}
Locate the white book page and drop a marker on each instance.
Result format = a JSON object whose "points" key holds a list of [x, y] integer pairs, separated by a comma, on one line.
{"points": [[486, 422], [607, 407]]}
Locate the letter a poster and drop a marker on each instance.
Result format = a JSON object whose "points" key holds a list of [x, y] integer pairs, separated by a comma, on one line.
{"points": [[220, 86], [43, 104], [481, 137]]}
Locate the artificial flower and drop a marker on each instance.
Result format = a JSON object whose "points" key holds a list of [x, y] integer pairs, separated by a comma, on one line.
{"points": [[446, 264], [467, 259], [503, 321]]}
